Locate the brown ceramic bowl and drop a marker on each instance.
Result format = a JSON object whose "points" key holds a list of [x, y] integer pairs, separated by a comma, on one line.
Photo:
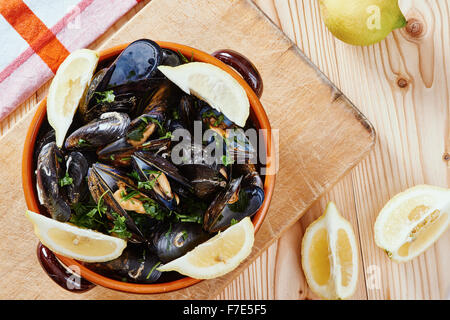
{"points": [[257, 114]]}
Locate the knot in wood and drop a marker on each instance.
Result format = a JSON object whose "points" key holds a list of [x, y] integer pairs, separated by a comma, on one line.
{"points": [[402, 83], [414, 28], [446, 156]]}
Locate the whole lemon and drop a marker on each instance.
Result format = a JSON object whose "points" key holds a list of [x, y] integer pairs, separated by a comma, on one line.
{"points": [[362, 22]]}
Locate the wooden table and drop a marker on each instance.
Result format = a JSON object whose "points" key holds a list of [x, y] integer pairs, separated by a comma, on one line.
{"points": [[403, 86]]}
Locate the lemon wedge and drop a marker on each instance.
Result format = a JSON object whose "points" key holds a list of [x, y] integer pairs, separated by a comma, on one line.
{"points": [[74, 242], [213, 85], [412, 221], [67, 88], [330, 256], [217, 256]]}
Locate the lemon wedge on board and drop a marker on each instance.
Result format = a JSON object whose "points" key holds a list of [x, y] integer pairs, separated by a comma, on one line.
{"points": [[213, 85], [412, 221], [217, 256], [74, 242], [67, 87], [330, 256]]}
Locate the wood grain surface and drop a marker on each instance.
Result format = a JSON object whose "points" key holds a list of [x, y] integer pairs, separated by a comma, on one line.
{"points": [[402, 86]]}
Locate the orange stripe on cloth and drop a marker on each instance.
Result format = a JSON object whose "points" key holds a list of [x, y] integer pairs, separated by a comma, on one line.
{"points": [[36, 34]]}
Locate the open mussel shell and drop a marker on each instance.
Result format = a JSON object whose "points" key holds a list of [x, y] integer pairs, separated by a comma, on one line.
{"points": [[77, 167], [136, 264], [159, 171], [203, 171], [49, 172], [242, 198], [238, 145], [173, 240], [103, 182], [119, 152], [111, 126]]}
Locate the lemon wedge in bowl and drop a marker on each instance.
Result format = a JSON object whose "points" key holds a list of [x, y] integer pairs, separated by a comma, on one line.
{"points": [[74, 242], [330, 256], [412, 221], [67, 88], [217, 256], [213, 85]]}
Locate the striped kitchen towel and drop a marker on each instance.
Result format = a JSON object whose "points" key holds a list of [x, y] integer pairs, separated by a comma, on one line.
{"points": [[37, 35]]}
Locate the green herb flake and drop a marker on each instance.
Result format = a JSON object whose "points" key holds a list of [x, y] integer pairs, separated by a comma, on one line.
{"points": [[105, 96], [153, 269], [183, 58], [120, 227], [66, 180], [233, 221], [82, 142], [227, 160]]}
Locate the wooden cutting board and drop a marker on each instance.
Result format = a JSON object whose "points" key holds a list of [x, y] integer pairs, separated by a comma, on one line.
{"points": [[321, 136]]}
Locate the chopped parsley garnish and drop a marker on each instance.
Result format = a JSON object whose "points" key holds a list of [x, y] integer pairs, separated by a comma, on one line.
{"points": [[153, 269], [227, 160], [88, 215], [183, 58], [233, 221], [120, 227], [153, 210], [82, 142], [134, 175], [105, 96], [66, 180]]}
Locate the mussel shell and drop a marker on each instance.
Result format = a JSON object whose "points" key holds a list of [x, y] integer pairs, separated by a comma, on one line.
{"points": [[157, 162], [165, 96], [44, 137], [77, 167], [123, 103], [250, 197], [205, 179], [170, 58], [217, 215], [102, 183], [50, 170], [175, 239], [144, 161], [119, 152], [136, 264], [134, 68], [88, 94], [187, 112], [237, 145], [111, 126]]}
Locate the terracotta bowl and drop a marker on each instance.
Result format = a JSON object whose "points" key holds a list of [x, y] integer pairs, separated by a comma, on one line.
{"points": [[257, 114]]}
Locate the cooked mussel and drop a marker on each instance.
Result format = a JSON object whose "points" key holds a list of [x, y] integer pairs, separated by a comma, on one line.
{"points": [[158, 176], [111, 126], [170, 58], [49, 172], [242, 198], [146, 132], [204, 172], [237, 147], [136, 264], [77, 166], [134, 69], [109, 185], [173, 240]]}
